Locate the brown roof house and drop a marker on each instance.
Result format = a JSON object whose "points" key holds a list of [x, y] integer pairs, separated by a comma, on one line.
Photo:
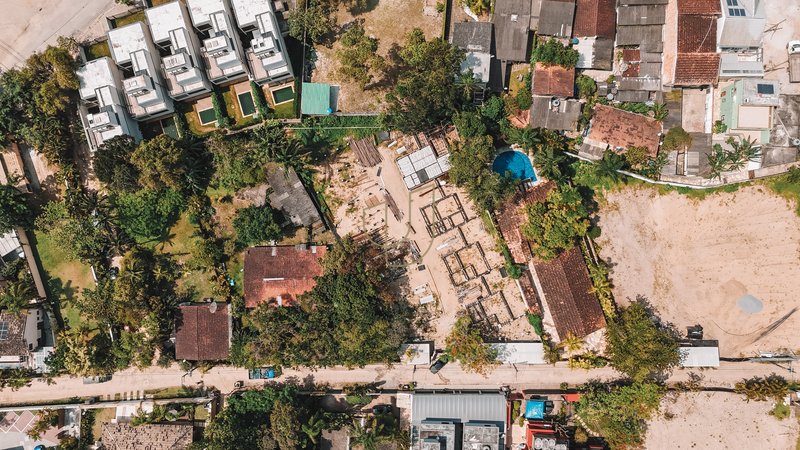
{"points": [[551, 86], [697, 61], [615, 129], [203, 332], [561, 287], [595, 27], [279, 274], [157, 436]]}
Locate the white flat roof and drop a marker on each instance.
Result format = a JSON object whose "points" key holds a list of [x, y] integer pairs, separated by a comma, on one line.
{"points": [[165, 18], [479, 62], [247, 10], [416, 353], [699, 356], [93, 75], [126, 40], [8, 243], [200, 10], [519, 352]]}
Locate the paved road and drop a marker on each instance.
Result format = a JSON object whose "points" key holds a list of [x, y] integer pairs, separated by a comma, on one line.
{"points": [[223, 378], [29, 25]]}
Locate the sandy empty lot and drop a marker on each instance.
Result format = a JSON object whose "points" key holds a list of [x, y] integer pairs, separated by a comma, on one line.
{"points": [[720, 421], [695, 260]]}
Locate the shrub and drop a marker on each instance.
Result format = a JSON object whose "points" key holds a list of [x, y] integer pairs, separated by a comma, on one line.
{"points": [[440, 7], [781, 411], [223, 121], [762, 389], [586, 86], [536, 322], [260, 101], [255, 225], [524, 99], [553, 52], [719, 127]]}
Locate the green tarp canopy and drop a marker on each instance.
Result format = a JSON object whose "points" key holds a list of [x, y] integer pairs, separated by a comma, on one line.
{"points": [[316, 99]]}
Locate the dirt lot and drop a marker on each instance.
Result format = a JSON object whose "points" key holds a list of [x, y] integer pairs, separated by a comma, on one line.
{"points": [[719, 420], [389, 21], [696, 261]]}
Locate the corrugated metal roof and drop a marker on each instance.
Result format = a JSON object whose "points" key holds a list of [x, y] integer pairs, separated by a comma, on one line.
{"points": [[488, 407], [316, 99], [9, 243]]}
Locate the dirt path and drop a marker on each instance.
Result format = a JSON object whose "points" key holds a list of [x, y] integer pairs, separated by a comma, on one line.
{"points": [[695, 260]]}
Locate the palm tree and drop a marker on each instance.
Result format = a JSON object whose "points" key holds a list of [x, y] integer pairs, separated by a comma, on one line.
{"points": [[717, 162], [468, 83], [16, 296], [549, 162], [571, 343], [527, 138], [313, 427], [551, 353], [660, 112], [366, 435], [655, 165], [610, 165]]}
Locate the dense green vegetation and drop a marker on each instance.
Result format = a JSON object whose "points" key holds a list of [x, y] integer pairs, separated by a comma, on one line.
{"points": [[553, 52], [556, 224], [359, 59], [14, 210], [619, 412], [465, 344]]}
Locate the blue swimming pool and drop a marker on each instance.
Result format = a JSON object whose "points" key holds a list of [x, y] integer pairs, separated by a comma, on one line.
{"points": [[515, 162]]}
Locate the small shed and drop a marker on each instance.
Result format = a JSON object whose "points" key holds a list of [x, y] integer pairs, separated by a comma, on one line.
{"points": [[317, 99], [416, 353], [519, 352], [699, 354]]}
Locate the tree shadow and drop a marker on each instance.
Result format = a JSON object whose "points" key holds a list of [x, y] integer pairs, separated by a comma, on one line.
{"points": [[652, 312], [362, 6]]}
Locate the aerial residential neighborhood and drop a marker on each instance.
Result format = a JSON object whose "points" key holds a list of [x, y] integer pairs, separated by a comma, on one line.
{"points": [[399, 224]]}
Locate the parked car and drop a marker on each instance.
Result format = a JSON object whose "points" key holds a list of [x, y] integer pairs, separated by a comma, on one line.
{"points": [[95, 380], [264, 373], [380, 410], [437, 366]]}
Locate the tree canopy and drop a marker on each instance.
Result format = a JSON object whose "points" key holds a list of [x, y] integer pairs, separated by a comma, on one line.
{"points": [[256, 225], [470, 167], [465, 344], [555, 224], [638, 347], [359, 57], [113, 166], [553, 52], [14, 210], [161, 162], [425, 91], [619, 412]]}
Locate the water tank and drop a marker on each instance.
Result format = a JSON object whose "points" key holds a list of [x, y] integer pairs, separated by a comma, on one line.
{"points": [[555, 103], [796, 142]]}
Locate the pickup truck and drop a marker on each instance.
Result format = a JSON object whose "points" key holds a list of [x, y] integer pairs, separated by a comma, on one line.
{"points": [[264, 373], [794, 61]]}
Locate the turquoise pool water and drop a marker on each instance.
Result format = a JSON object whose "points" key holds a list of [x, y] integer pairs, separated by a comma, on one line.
{"points": [[515, 162]]}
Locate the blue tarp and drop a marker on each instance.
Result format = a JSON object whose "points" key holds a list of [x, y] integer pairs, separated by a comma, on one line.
{"points": [[534, 409]]}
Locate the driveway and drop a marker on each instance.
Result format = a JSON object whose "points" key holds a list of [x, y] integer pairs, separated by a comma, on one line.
{"points": [[29, 25]]}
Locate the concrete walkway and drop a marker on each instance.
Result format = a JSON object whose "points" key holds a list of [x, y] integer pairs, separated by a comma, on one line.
{"points": [[450, 377]]}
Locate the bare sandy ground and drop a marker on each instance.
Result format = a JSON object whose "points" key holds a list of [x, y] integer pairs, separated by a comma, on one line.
{"points": [[718, 420], [695, 259]]}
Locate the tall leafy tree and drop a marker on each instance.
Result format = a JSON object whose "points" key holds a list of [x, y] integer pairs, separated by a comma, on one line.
{"points": [[425, 92], [359, 57], [161, 162], [638, 347], [555, 224], [256, 225], [14, 210], [470, 167], [620, 412], [465, 344], [113, 166]]}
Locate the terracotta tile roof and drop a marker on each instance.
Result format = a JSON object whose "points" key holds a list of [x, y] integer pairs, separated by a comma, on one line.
{"points": [[595, 18], [697, 34], [567, 294], [512, 216], [123, 436], [553, 80], [699, 7], [618, 128], [631, 57], [283, 271], [201, 335], [696, 69]]}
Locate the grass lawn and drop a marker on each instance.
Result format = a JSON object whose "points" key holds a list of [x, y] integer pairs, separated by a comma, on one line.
{"points": [[64, 278], [517, 78], [234, 110], [285, 111], [138, 16], [97, 50], [102, 416], [193, 121], [179, 246]]}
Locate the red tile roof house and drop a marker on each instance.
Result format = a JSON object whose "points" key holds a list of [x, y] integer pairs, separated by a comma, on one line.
{"points": [[697, 61], [203, 332], [280, 274], [553, 80], [615, 129], [595, 27], [562, 285]]}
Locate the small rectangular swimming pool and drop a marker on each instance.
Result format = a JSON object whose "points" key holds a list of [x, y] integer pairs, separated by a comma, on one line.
{"points": [[207, 116], [246, 104], [283, 95]]}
